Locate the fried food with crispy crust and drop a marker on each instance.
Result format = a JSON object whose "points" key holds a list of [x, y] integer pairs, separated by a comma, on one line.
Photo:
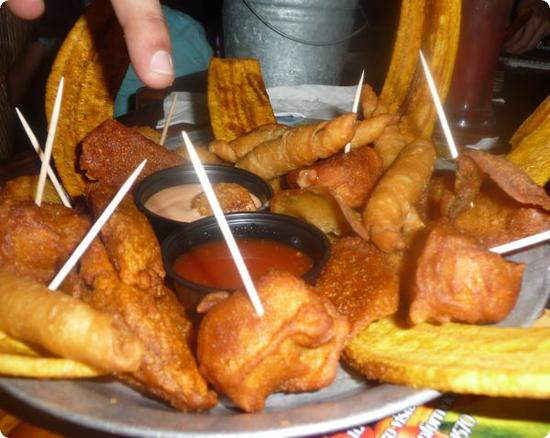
{"points": [[129, 239], [293, 347], [232, 198], [233, 151], [390, 143], [495, 218], [168, 369], [369, 130], [112, 151], [457, 279], [352, 176], [23, 188], [36, 241], [65, 326], [391, 205], [300, 146], [359, 282], [453, 357], [368, 100]]}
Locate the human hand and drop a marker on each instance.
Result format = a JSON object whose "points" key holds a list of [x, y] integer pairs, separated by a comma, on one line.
{"points": [[145, 32], [535, 29]]}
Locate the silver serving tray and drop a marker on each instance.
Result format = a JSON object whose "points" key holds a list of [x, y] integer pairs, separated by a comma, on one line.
{"points": [[111, 407]]}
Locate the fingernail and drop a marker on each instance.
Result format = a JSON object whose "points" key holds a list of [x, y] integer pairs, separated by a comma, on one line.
{"points": [[161, 62]]}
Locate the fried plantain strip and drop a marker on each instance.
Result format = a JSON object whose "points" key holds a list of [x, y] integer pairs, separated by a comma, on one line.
{"points": [[496, 361]]}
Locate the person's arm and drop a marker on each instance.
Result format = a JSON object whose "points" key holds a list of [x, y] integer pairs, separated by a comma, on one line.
{"points": [[145, 32], [535, 29]]}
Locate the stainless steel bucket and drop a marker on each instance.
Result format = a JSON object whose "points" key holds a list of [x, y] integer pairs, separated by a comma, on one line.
{"points": [[296, 41]]}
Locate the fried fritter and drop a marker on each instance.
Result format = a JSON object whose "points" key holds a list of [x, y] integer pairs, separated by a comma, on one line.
{"points": [[231, 196], [293, 347], [168, 369], [459, 280], [130, 240], [23, 188], [111, 152], [494, 219], [359, 282], [36, 241], [352, 176]]}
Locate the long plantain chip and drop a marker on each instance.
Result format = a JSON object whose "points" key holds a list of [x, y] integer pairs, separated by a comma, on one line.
{"points": [[496, 361], [531, 144], [81, 48], [440, 38], [404, 58], [539, 116], [237, 98], [44, 367]]}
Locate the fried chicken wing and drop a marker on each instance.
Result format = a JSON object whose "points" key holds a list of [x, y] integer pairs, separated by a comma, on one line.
{"points": [[130, 240], [168, 369], [294, 347], [112, 151], [359, 282], [352, 176], [36, 241], [457, 279]]}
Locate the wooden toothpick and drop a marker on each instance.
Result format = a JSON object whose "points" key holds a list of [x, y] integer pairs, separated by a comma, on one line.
{"points": [[224, 226], [49, 144]]}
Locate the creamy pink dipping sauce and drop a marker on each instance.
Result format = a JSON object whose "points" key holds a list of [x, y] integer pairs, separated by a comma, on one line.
{"points": [[175, 202]]}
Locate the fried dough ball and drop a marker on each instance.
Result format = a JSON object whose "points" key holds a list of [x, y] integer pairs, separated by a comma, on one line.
{"points": [[293, 347], [231, 196]]}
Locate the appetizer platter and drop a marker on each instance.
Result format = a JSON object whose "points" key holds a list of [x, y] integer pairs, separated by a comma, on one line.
{"points": [[426, 280]]}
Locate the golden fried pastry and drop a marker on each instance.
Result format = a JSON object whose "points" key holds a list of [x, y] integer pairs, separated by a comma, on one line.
{"points": [[389, 144], [23, 188], [298, 147], [36, 241], [65, 326], [369, 130], [130, 240], [391, 206], [352, 176], [168, 369], [293, 347], [233, 151], [459, 280], [359, 282], [232, 198]]}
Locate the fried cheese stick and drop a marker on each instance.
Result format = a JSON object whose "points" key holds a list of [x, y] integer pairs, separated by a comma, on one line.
{"points": [[392, 201], [299, 147], [65, 326]]}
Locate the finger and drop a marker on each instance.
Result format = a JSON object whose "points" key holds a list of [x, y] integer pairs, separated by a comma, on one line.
{"points": [[26, 9], [521, 40], [147, 39]]}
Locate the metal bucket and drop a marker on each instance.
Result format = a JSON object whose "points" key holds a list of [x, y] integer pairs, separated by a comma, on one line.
{"points": [[297, 41]]}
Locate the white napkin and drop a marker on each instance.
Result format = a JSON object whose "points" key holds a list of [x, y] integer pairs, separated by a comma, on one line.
{"points": [[303, 101]]}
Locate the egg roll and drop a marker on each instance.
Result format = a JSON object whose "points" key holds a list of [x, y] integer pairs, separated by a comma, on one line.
{"points": [[392, 202], [65, 326], [369, 130], [299, 147], [232, 151]]}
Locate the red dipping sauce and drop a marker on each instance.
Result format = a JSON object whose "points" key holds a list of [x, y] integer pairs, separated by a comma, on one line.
{"points": [[210, 264]]}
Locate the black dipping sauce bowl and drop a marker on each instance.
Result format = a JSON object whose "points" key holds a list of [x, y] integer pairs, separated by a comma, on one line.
{"points": [[180, 175], [270, 226]]}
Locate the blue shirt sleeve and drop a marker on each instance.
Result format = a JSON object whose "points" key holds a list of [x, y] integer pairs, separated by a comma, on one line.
{"points": [[190, 53]]}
